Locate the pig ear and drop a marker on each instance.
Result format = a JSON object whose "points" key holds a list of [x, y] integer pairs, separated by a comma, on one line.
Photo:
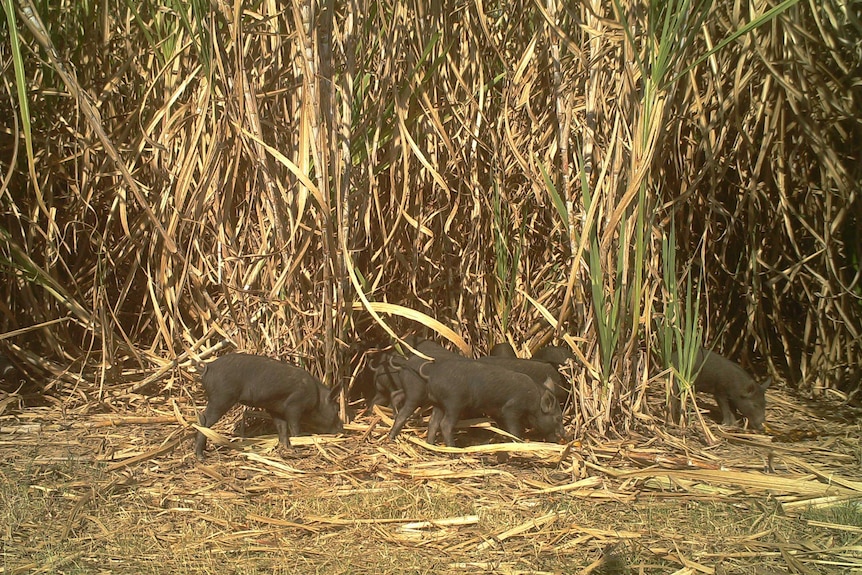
{"points": [[750, 389], [548, 401], [549, 384], [765, 385]]}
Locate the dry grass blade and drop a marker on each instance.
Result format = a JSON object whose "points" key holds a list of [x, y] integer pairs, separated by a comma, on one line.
{"points": [[34, 22], [443, 522], [531, 525]]}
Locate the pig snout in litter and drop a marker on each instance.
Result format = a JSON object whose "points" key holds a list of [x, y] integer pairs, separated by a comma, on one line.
{"points": [[293, 397], [733, 388], [510, 398]]}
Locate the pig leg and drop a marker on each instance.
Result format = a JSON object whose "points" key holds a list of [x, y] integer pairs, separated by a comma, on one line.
{"points": [[292, 414], [434, 424], [385, 396], [413, 391], [404, 412], [446, 420], [384, 390], [286, 417], [447, 425], [213, 412], [397, 400], [727, 417], [379, 399], [512, 423], [281, 426]]}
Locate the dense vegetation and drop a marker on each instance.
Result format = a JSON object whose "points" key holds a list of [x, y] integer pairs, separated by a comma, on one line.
{"points": [[629, 174]]}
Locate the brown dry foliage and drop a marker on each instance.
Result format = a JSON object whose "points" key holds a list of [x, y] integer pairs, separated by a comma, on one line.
{"points": [[237, 174]]}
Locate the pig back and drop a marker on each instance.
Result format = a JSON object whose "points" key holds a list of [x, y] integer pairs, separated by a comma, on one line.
{"points": [[716, 373], [476, 386], [263, 382], [246, 376], [554, 354], [538, 371]]}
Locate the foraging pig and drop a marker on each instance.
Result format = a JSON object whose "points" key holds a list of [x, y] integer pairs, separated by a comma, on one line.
{"points": [[387, 372], [430, 348], [503, 349], [538, 371], [410, 390], [731, 386], [290, 394], [385, 378], [510, 398]]}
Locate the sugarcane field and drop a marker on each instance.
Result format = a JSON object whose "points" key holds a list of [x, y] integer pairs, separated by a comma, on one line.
{"points": [[522, 288]]}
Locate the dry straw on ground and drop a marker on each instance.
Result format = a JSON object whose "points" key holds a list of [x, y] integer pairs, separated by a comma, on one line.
{"points": [[275, 175], [86, 491]]}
